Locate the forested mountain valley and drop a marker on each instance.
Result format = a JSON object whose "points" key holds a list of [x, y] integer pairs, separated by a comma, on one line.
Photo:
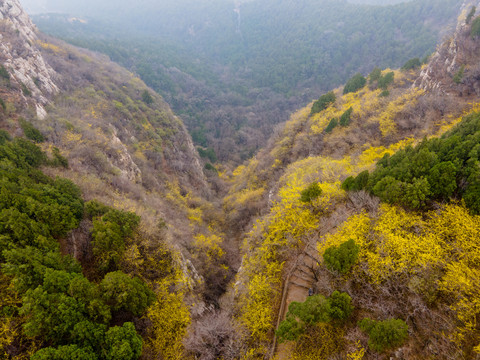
{"points": [[233, 70], [321, 201]]}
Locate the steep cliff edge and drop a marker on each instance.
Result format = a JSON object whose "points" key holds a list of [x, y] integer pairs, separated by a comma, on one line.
{"points": [[453, 68], [20, 55]]}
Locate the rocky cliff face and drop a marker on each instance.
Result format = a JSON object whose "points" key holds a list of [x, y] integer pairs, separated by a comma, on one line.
{"points": [[460, 54], [20, 55], [112, 119]]}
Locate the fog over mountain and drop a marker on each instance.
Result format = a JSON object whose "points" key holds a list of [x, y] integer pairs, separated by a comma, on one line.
{"points": [[234, 69]]}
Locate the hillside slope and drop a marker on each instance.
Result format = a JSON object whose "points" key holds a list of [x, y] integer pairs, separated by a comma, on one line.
{"points": [[302, 218], [140, 203], [109, 125]]}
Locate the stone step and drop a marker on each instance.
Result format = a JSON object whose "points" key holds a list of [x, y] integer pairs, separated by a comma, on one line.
{"points": [[311, 262], [312, 254], [304, 269], [298, 280], [302, 276], [300, 285]]}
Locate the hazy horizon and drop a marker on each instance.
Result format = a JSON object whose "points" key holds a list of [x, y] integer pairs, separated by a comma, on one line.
{"points": [[35, 7]]}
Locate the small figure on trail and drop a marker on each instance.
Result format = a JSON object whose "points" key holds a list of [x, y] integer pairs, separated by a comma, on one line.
{"points": [[310, 292]]}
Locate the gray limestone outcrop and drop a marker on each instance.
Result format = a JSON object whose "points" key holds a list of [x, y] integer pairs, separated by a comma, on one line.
{"points": [[20, 55]]}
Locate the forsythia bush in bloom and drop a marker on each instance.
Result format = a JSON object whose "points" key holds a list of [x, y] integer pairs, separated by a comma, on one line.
{"points": [[398, 241]]}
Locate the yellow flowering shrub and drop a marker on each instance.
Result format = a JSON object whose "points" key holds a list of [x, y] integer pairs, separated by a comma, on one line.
{"points": [[169, 318], [397, 241]]}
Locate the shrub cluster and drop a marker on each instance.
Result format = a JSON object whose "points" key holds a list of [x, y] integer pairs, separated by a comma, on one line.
{"points": [[355, 83], [30, 131], [316, 309], [61, 308], [323, 102], [436, 169], [412, 64], [312, 192], [331, 125], [345, 117], [341, 258], [111, 228], [475, 29], [384, 335]]}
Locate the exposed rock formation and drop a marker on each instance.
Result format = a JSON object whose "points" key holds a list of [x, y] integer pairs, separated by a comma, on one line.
{"points": [[20, 55], [447, 61]]}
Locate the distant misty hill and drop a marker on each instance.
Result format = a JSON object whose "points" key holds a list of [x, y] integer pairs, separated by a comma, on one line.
{"points": [[378, 2], [234, 69]]}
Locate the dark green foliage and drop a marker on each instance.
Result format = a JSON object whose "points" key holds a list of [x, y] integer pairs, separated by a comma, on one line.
{"points": [[30, 131], [470, 14], [355, 83], [384, 93], [442, 180], [147, 98], [348, 184], [126, 220], [416, 193], [120, 291], [357, 183], [119, 342], [384, 335], [361, 180], [475, 29], [58, 160], [122, 343], [208, 153], [458, 77], [331, 125], [66, 352], [375, 75], [412, 64], [472, 197], [345, 118], [312, 192], [385, 80], [4, 74], [111, 228], [93, 208], [315, 309], [436, 169], [23, 153], [28, 265], [388, 189], [340, 306], [289, 329], [210, 167], [51, 314], [341, 258], [4, 137], [2, 104], [60, 307], [323, 102], [108, 245]]}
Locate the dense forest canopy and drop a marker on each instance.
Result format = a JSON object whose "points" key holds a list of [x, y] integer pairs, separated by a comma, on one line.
{"points": [[233, 70]]}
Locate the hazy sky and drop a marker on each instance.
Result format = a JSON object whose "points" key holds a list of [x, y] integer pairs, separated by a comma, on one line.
{"points": [[77, 7]]}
